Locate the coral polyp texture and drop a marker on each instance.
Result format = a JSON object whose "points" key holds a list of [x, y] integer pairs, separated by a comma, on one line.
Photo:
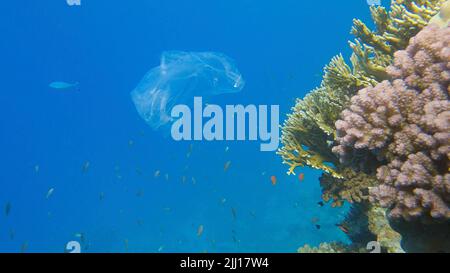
{"points": [[405, 124], [309, 132]]}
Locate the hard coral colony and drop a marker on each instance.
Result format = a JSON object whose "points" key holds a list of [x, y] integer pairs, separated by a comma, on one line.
{"points": [[380, 128]]}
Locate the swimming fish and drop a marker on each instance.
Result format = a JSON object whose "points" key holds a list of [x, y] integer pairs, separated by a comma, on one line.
{"points": [[12, 234], [167, 177], [140, 193], [24, 247], [160, 248], [194, 181], [200, 230], [80, 236], [138, 171], [126, 242], [320, 203], [36, 168], [62, 85], [157, 174], [227, 149], [273, 179], [102, 196], [130, 143], [234, 213], [318, 226], [315, 220], [191, 147], [50, 193], [86, 166], [343, 228], [301, 177], [227, 166], [7, 208]]}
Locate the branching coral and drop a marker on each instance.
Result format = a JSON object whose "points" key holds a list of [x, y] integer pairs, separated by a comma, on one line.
{"points": [[442, 19], [386, 236], [309, 131], [353, 187], [406, 123], [333, 247]]}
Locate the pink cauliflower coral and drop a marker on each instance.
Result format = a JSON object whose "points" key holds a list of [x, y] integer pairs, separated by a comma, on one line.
{"points": [[405, 123]]}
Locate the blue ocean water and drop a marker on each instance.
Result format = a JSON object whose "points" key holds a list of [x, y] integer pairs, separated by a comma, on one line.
{"points": [[89, 144]]}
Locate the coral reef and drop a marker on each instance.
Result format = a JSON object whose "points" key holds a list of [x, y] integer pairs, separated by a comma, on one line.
{"points": [[353, 187], [309, 131], [378, 128], [406, 123], [386, 236], [442, 19], [334, 247], [419, 238]]}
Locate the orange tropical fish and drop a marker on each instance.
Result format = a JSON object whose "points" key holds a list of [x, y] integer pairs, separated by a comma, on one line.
{"points": [[343, 228], [301, 177], [273, 178]]}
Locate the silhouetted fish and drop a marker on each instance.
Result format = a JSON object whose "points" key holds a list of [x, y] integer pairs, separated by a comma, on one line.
{"points": [[7, 208]]}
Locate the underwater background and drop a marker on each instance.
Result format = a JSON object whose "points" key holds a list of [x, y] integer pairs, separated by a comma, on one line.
{"points": [[80, 164]]}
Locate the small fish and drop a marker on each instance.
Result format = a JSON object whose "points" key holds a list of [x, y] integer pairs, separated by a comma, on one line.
{"points": [[315, 220], [253, 214], [140, 222], [160, 248], [36, 168], [8, 208], [102, 196], [166, 177], [301, 177], [223, 201], [24, 247], [263, 173], [200, 230], [126, 242], [189, 153], [62, 85], [183, 179], [227, 149], [157, 174], [80, 236], [50, 193], [273, 179], [12, 234], [318, 227], [194, 181], [138, 171], [167, 209], [234, 213], [343, 228], [227, 166], [320, 203], [86, 166], [130, 143], [140, 193]]}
